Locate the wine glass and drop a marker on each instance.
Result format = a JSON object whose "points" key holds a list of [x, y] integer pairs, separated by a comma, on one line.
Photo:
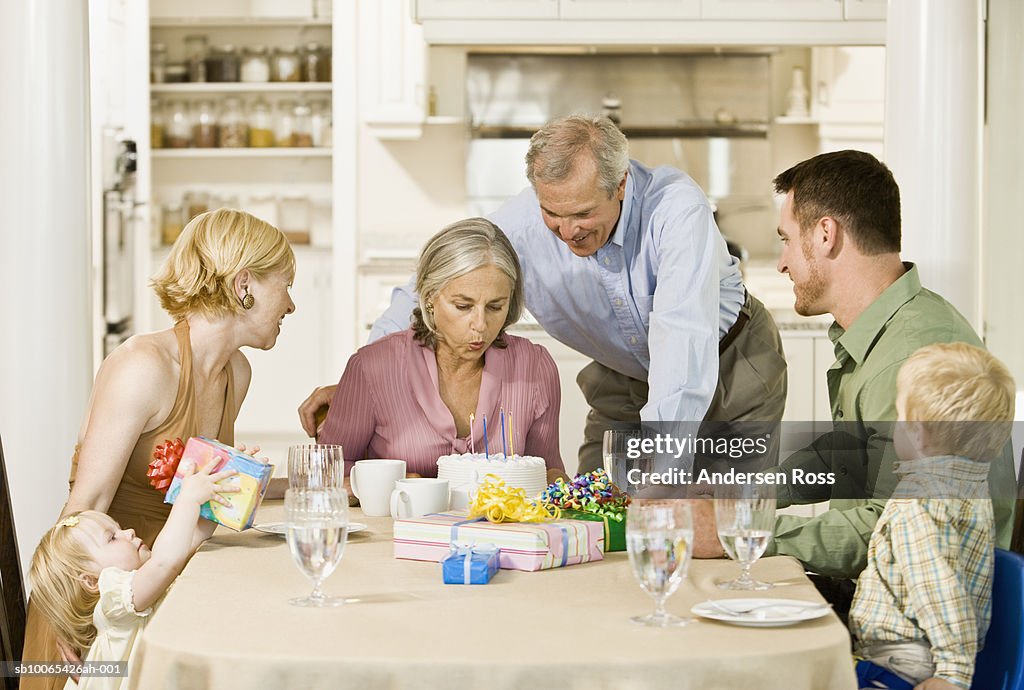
{"points": [[317, 527], [745, 514], [659, 540], [316, 466], [622, 453]]}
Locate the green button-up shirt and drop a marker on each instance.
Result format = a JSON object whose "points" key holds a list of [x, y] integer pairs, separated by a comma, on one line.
{"points": [[862, 390]]}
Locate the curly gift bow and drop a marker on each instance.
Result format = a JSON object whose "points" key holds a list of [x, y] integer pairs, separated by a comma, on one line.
{"points": [[500, 503], [166, 457]]}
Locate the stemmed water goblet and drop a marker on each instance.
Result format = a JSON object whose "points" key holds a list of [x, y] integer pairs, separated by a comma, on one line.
{"points": [[316, 466], [745, 514], [659, 541], [317, 528]]}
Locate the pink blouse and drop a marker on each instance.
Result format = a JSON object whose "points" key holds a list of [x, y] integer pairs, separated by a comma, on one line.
{"points": [[387, 405]]}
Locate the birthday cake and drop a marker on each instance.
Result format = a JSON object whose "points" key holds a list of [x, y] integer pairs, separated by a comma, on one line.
{"points": [[465, 471]]}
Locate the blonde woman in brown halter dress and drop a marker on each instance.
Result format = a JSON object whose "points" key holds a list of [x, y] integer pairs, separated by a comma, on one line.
{"points": [[225, 283]]}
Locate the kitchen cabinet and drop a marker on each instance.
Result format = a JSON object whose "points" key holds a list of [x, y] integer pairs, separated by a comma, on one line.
{"points": [[392, 69], [848, 97], [772, 9], [629, 9], [809, 354], [652, 22], [320, 333], [487, 9], [864, 9]]}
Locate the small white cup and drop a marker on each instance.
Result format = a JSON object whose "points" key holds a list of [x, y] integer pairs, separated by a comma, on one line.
{"points": [[418, 496], [372, 483]]}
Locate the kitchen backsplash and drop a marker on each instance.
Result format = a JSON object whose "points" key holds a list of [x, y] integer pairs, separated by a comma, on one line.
{"points": [[664, 90]]}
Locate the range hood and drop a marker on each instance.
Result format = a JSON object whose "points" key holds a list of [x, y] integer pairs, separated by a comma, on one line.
{"points": [[678, 95]]}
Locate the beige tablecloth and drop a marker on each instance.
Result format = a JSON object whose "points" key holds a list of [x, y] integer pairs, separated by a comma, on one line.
{"points": [[227, 624]]}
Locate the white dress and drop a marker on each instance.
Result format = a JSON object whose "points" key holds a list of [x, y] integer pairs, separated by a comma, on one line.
{"points": [[118, 629]]}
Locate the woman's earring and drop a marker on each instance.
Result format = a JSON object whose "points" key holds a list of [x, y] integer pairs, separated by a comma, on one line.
{"points": [[429, 307], [248, 301]]}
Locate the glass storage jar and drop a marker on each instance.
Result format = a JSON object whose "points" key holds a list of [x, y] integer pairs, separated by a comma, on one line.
{"points": [[233, 129], [157, 124], [204, 125], [170, 225], [321, 121], [261, 125], [158, 63], [294, 216], [195, 57], [255, 64], [312, 55], [264, 207], [284, 64], [178, 126], [284, 124], [302, 126], [223, 64], [196, 202], [176, 73]]}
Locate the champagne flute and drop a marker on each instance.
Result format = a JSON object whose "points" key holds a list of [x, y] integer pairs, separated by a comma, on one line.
{"points": [[621, 454], [659, 540], [316, 466], [317, 528], [745, 514]]}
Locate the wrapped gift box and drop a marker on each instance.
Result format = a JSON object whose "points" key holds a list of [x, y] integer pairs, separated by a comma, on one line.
{"points": [[524, 545], [253, 478], [470, 565], [614, 530]]}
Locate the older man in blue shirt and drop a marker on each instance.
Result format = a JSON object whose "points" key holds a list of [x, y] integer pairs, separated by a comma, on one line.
{"points": [[625, 264]]}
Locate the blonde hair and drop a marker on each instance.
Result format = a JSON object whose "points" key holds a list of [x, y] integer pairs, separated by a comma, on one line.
{"points": [[555, 147], [964, 393], [56, 573], [198, 275], [456, 250]]}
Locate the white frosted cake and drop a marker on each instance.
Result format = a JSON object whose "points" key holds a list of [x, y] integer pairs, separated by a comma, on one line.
{"points": [[464, 472]]}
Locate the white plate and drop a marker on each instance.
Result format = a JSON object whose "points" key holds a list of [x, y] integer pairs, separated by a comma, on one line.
{"points": [[281, 528], [769, 612]]}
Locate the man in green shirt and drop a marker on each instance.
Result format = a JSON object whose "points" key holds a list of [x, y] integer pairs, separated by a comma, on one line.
{"points": [[840, 231]]}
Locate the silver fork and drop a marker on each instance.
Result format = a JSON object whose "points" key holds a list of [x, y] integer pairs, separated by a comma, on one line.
{"points": [[729, 611]]}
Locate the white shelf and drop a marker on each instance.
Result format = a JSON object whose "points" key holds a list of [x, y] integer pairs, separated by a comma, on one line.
{"points": [[445, 120], [243, 87], [786, 120], [282, 152], [237, 22]]}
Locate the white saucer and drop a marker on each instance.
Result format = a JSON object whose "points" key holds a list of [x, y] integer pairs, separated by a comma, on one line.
{"points": [[281, 528], [769, 613]]}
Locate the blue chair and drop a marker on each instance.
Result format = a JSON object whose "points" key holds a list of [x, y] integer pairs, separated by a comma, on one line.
{"points": [[1000, 665]]}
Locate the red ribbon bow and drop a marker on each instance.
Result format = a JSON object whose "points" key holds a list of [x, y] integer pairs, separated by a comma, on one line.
{"points": [[166, 457]]}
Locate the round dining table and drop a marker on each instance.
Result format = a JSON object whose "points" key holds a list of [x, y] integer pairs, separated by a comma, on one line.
{"points": [[227, 623]]}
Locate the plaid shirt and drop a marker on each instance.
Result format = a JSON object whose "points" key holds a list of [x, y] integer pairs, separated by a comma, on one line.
{"points": [[930, 561]]}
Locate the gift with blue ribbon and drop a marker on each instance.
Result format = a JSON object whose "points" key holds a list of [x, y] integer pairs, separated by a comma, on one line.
{"points": [[470, 564]]}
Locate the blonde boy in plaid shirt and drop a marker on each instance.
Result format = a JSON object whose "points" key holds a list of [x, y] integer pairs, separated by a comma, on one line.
{"points": [[923, 603]]}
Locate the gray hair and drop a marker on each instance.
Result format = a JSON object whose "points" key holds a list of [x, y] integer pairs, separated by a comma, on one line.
{"points": [[456, 250], [555, 147]]}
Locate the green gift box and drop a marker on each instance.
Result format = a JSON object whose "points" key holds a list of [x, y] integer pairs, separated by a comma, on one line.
{"points": [[614, 530]]}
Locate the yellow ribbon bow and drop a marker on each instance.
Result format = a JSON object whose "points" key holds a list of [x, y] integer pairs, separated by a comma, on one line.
{"points": [[499, 503]]}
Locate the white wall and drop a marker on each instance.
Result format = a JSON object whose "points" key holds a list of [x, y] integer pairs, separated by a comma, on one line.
{"points": [[45, 356], [1003, 203]]}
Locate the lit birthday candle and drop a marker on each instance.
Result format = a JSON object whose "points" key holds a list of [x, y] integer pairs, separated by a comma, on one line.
{"points": [[472, 446]]}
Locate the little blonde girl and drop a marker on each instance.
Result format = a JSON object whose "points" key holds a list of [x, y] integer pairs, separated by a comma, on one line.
{"points": [[98, 583]]}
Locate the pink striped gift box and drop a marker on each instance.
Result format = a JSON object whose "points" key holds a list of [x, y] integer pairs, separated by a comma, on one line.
{"points": [[524, 545]]}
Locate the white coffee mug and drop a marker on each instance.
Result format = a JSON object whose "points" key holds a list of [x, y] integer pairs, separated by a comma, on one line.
{"points": [[418, 496], [372, 483]]}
